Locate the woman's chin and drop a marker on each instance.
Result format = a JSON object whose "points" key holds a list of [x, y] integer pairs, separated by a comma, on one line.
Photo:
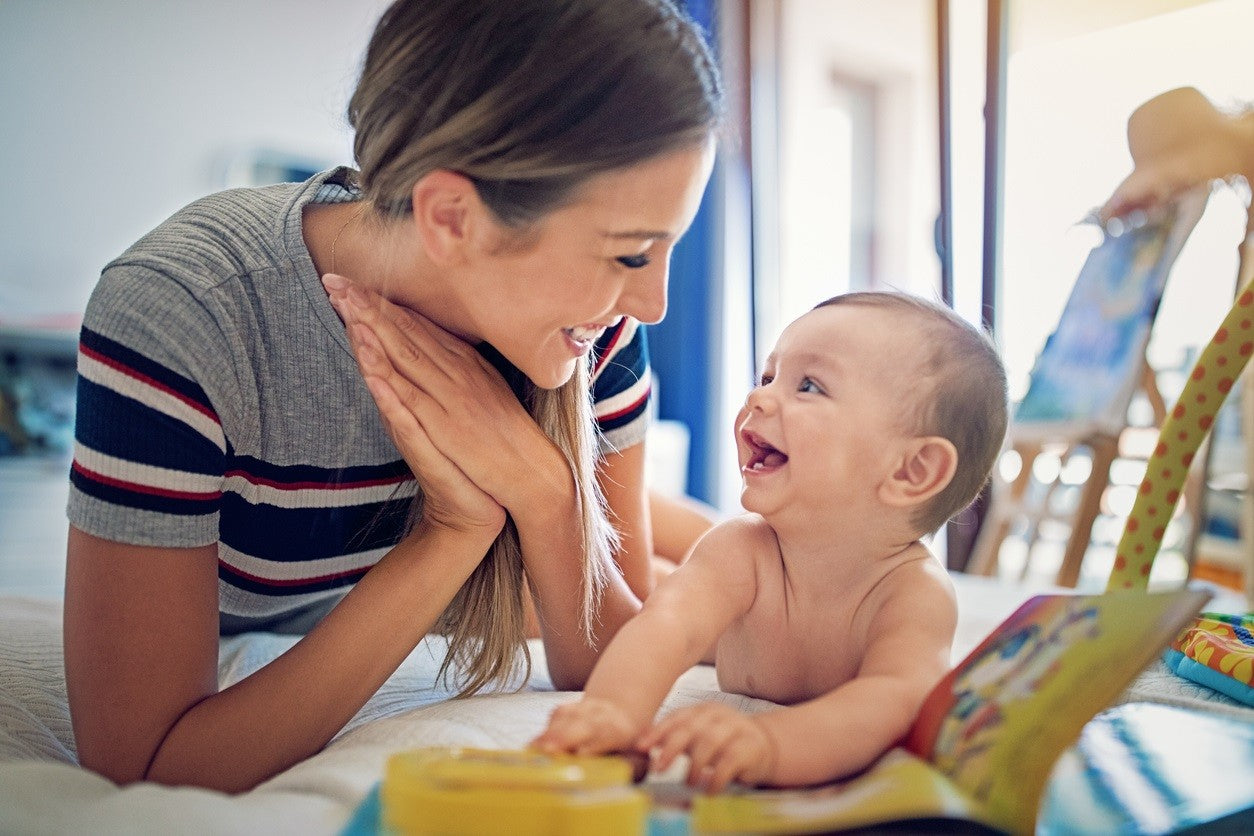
{"points": [[551, 377]]}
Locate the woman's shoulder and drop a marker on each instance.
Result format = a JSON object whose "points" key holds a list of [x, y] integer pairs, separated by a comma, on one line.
{"points": [[228, 233]]}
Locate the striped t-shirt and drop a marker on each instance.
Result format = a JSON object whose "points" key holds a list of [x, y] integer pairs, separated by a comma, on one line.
{"points": [[218, 402]]}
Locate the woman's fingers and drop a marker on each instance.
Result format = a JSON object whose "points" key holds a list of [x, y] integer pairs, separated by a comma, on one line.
{"points": [[464, 404], [450, 499]]}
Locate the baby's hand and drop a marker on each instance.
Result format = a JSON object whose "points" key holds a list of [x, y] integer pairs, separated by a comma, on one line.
{"points": [[722, 744], [590, 726]]}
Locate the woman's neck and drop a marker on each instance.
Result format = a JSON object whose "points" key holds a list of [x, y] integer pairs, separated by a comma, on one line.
{"points": [[385, 257]]}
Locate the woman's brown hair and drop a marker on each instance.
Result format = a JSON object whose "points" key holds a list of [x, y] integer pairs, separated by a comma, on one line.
{"points": [[529, 99]]}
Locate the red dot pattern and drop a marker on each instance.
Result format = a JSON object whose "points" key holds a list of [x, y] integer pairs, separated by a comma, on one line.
{"points": [[1182, 433]]}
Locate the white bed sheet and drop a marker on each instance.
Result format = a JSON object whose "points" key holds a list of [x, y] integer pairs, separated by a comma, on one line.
{"points": [[42, 790]]}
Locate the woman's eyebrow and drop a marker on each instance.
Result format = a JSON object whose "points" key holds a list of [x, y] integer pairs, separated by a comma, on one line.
{"points": [[641, 234]]}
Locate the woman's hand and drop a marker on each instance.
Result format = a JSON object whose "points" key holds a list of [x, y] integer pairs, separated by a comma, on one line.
{"points": [[451, 497], [722, 744], [462, 404]]}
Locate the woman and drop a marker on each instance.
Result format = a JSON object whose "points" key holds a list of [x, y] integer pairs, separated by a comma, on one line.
{"points": [[417, 431]]}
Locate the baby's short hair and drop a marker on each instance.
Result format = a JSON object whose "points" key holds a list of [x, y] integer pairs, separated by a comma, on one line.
{"points": [[964, 401]]}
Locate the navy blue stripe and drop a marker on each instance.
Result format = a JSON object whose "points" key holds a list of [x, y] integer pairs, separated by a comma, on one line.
{"points": [[116, 425], [296, 534], [330, 476], [134, 360], [144, 501], [249, 585]]}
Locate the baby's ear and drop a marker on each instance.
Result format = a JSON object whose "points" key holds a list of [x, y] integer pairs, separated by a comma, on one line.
{"points": [[924, 468]]}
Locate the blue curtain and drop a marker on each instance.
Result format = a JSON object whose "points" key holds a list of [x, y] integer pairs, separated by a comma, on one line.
{"points": [[680, 346]]}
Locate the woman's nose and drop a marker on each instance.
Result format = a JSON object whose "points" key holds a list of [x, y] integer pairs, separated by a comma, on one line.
{"points": [[644, 297]]}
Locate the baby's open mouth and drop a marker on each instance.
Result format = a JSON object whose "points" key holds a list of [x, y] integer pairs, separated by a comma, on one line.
{"points": [[762, 455]]}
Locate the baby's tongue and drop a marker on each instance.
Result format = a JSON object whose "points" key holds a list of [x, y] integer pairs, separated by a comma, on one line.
{"points": [[774, 459]]}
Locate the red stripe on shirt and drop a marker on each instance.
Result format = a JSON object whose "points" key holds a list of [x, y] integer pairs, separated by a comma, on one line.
{"points": [[150, 381], [136, 487], [621, 412], [609, 349]]}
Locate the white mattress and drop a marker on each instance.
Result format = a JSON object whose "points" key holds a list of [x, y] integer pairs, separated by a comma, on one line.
{"points": [[42, 790]]}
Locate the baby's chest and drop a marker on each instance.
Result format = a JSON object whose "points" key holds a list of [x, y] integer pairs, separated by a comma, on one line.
{"points": [[771, 656]]}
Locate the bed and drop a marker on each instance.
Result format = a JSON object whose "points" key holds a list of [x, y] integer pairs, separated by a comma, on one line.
{"points": [[42, 790]]}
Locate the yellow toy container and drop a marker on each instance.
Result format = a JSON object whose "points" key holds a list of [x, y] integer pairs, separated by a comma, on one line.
{"points": [[455, 791]]}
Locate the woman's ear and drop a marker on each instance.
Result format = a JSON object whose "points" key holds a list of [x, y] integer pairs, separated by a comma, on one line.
{"points": [[925, 467], [445, 206]]}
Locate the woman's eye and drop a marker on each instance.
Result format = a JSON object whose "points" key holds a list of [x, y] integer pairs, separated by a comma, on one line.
{"points": [[634, 262]]}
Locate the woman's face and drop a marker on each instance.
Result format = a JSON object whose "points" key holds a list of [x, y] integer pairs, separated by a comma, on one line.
{"points": [[543, 304]]}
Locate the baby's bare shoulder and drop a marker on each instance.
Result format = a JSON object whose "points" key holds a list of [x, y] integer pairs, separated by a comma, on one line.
{"points": [[918, 585], [746, 534]]}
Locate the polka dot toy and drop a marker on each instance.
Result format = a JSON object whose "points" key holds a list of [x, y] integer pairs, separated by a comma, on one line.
{"points": [[1183, 431]]}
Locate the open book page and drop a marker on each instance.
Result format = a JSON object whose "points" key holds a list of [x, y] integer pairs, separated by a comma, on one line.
{"points": [[899, 787], [997, 724]]}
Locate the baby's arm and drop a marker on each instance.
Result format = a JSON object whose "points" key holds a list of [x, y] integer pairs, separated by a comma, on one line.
{"points": [[840, 732], [680, 621], [847, 729]]}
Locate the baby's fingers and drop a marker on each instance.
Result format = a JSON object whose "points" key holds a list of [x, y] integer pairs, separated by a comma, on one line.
{"points": [[737, 761], [667, 740]]}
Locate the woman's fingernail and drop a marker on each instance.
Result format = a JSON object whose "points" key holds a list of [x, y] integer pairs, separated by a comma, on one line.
{"points": [[334, 282]]}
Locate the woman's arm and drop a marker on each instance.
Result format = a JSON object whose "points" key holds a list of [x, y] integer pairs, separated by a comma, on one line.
{"points": [[141, 658], [141, 636], [622, 479], [678, 523]]}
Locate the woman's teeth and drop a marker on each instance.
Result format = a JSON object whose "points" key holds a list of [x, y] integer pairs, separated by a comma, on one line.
{"points": [[584, 333]]}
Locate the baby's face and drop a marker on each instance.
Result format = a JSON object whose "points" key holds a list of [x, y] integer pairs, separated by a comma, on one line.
{"points": [[822, 427]]}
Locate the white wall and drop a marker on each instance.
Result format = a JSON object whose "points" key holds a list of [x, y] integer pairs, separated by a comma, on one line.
{"points": [[113, 114]]}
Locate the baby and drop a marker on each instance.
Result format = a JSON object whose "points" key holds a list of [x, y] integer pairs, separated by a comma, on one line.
{"points": [[878, 416]]}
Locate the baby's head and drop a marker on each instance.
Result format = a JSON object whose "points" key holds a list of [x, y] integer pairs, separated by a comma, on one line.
{"points": [[873, 403], [951, 384]]}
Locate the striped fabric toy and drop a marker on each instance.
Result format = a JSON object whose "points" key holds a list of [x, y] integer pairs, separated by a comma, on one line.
{"points": [[1213, 376]]}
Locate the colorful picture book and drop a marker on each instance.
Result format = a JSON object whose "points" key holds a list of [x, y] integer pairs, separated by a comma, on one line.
{"points": [[1086, 374]]}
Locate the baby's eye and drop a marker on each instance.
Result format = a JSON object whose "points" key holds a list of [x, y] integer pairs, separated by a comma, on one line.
{"points": [[808, 385], [765, 378], [634, 262]]}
